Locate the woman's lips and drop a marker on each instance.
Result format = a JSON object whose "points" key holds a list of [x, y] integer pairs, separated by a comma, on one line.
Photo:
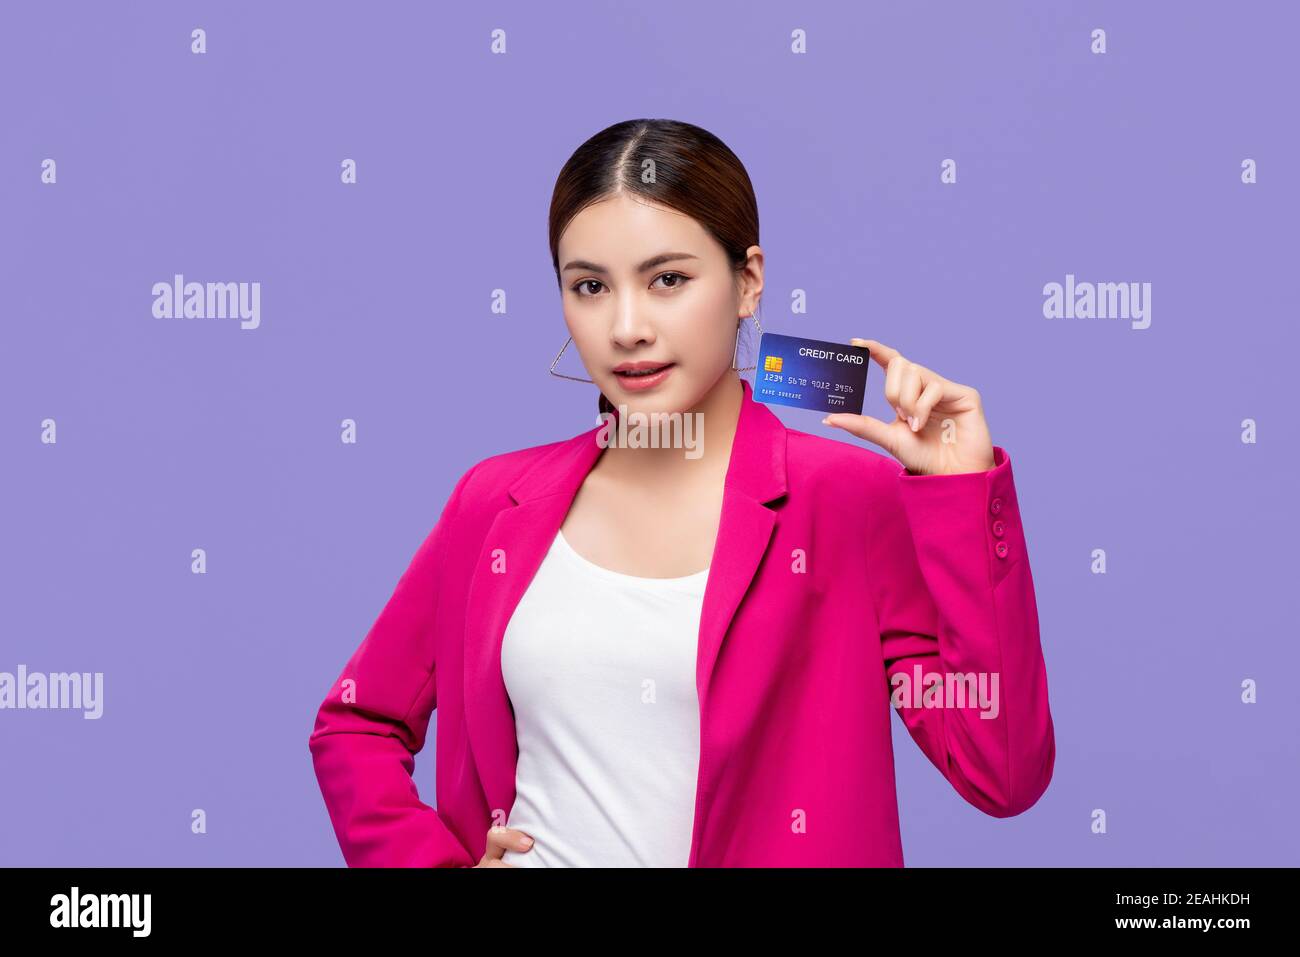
{"points": [[641, 381]]}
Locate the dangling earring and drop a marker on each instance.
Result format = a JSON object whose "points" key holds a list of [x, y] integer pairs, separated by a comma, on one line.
{"points": [[753, 315], [561, 375]]}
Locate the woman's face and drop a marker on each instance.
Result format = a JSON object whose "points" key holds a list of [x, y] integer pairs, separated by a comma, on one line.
{"points": [[645, 287]]}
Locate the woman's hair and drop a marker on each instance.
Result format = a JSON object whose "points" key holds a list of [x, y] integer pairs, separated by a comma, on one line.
{"points": [[675, 164]]}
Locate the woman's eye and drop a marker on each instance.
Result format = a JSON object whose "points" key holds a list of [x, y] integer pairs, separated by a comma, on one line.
{"points": [[584, 288]]}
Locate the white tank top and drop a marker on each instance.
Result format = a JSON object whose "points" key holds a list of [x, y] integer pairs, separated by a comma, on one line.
{"points": [[600, 669]]}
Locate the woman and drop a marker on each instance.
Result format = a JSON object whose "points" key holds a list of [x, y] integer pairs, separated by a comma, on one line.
{"points": [[662, 656]]}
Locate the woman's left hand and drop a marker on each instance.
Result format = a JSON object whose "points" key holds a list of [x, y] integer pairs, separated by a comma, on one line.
{"points": [[939, 428]]}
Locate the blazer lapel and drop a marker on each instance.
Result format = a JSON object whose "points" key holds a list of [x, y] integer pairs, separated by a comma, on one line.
{"points": [[512, 551], [522, 532], [755, 476]]}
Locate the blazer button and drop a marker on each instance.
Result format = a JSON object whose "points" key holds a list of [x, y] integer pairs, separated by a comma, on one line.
{"points": [[999, 527], [995, 506], [1001, 548]]}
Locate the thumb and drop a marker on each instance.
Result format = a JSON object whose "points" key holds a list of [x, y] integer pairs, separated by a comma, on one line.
{"points": [[864, 427]]}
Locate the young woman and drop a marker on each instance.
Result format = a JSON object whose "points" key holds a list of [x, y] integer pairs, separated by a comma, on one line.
{"points": [[659, 656]]}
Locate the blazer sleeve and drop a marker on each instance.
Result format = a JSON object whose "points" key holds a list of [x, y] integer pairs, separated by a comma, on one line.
{"points": [[954, 595], [374, 721]]}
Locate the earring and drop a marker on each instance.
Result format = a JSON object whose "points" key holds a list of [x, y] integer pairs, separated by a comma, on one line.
{"points": [[753, 315], [561, 375]]}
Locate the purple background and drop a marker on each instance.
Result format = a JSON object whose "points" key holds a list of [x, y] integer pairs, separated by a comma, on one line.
{"points": [[376, 306]]}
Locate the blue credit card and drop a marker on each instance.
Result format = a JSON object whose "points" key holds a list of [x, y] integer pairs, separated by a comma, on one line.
{"points": [[811, 374]]}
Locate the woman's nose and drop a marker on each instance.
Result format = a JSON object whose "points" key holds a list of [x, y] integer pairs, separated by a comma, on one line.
{"points": [[630, 328]]}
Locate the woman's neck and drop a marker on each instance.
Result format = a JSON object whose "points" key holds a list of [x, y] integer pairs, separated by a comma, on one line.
{"points": [[716, 415]]}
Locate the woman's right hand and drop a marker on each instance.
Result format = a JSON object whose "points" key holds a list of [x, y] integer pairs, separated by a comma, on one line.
{"points": [[501, 839]]}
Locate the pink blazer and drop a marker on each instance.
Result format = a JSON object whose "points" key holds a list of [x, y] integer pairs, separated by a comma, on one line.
{"points": [[834, 570]]}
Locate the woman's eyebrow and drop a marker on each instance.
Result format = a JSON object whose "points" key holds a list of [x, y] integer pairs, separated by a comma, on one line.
{"points": [[650, 263]]}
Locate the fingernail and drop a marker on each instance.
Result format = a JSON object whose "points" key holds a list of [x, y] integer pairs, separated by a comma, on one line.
{"points": [[911, 421], [826, 421], [527, 841]]}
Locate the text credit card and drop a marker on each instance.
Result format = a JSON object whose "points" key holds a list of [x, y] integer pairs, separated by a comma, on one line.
{"points": [[811, 374]]}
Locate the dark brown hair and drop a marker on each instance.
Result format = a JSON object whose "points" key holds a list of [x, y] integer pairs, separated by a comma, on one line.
{"points": [[694, 173]]}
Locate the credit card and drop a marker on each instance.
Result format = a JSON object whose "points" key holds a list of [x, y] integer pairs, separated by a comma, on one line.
{"points": [[811, 374]]}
